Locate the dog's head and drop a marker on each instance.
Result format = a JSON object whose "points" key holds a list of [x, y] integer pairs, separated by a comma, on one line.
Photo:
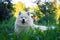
{"points": [[25, 17]]}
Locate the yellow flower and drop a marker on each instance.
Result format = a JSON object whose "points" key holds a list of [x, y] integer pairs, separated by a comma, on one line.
{"points": [[19, 7]]}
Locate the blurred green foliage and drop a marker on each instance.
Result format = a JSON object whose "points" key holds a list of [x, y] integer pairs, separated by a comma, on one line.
{"points": [[49, 12]]}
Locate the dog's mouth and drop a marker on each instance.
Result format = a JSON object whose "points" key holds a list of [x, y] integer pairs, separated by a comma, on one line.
{"points": [[23, 21]]}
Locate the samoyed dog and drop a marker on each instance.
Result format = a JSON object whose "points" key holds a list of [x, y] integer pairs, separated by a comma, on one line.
{"points": [[24, 21]]}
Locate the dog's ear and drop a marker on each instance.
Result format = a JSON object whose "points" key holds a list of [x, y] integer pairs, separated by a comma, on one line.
{"points": [[20, 13]]}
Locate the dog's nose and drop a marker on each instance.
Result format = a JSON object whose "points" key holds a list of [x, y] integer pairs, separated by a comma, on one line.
{"points": [[23, 21]]}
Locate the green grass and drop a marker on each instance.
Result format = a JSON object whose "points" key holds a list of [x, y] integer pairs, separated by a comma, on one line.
{"points": [[7, 32]]}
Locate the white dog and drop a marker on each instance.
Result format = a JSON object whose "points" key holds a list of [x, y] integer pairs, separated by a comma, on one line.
{"points": [[24, 21]]}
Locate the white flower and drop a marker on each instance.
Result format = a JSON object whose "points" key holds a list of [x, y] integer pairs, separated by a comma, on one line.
{"points": [[5, 2]]}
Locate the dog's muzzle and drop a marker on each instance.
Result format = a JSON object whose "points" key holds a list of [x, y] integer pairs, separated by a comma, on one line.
{"points": [[23, 21]]}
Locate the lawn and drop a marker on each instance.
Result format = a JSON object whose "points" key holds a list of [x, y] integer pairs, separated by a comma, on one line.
{"points": [[7, 32]]}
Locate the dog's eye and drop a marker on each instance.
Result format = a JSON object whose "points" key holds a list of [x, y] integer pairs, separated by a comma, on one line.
{"points": [[21, 17]]}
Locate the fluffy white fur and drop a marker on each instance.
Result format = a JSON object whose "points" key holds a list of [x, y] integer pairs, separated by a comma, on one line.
{"points": [[19, 26]]}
